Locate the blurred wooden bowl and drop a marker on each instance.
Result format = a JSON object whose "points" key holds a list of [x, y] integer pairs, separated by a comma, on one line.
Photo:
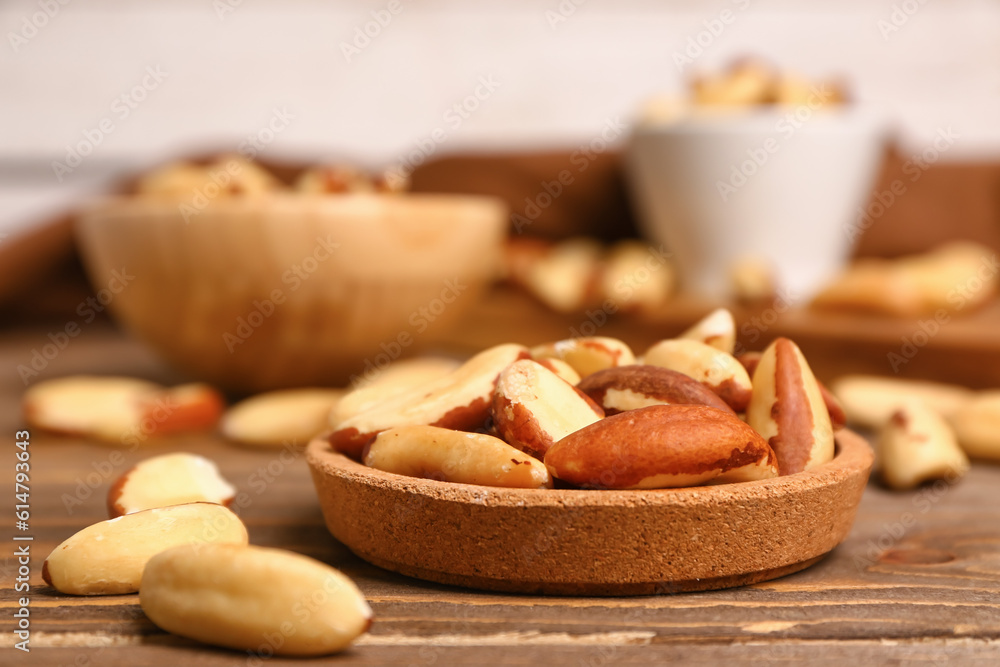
{"points": [[288, 289], [577, 542]]}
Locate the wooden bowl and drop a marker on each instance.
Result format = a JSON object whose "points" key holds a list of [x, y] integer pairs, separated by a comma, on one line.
{"points": [[286, 290], [577, 542]]}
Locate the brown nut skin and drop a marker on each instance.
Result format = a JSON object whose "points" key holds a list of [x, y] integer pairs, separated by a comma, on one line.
{"points": [[838, 418], [661, 446], [461, 400], [646, 385], [716, 369], [533, 407], [787, 409]]}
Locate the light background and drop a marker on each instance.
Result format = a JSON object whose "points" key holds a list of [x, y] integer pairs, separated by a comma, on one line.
{"points": [[559, 80]]}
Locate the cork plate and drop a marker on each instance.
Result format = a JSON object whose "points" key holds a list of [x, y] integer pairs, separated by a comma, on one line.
{"points": [[577, 542]]}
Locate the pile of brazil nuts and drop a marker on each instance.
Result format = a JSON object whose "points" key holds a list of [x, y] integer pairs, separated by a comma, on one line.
{"points": [[587, 413], [172, 539]]}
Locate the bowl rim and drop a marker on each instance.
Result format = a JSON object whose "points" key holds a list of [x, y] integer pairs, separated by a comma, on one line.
{"points": [[124, 205], [852, 455], [763, 120]]}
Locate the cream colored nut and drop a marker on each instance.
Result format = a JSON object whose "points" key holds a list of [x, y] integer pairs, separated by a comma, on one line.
{"points": [[565, 278], [662, 446], [788, 410], [107, 558], [171, 479], [838, 418], [663, 109], [533, 407], [280, 418], [393, 380], [185, 180], [746, 83], [560, 368], [115, 409], [955, 276], [916, 445], [869, 400], [717, 370], [977, 425], [631, 387], [717, 329], [587, 354], [461, 400], [253, 599], [455, 456], [637, 277]]}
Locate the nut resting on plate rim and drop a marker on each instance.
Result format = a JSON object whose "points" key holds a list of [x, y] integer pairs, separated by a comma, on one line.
{"points": [[460, 400], [438, 453]]}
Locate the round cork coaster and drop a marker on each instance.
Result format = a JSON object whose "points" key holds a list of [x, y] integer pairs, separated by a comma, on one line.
{"points": [[590, 542]]}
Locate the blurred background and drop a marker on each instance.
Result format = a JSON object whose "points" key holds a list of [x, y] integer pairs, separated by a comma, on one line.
{"points": [[560, 70], [486, 98]]}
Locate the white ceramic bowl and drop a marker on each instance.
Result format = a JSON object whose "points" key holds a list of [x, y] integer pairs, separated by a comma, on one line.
{"points": [[780, 185], [290, 289]]}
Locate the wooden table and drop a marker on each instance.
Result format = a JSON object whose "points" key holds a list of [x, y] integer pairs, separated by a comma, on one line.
{"points": [[917, 581]]}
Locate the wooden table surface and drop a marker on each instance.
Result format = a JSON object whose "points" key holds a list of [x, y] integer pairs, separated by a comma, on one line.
{"points": [[917, 581]]}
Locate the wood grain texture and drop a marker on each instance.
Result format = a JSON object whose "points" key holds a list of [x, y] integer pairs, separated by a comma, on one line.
{"points": [[916, 582]]}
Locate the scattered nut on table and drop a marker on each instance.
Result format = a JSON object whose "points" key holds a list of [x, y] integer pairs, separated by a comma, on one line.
{"points": [[288, 417], [170, 479], [107, 558], [952, 277], [977, 425], [915, 446], [253, 599], [120, 410], [869, 400]]}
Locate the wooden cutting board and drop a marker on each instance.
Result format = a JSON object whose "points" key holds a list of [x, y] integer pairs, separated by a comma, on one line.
{"points": [[964, 350], [917, 580]]}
